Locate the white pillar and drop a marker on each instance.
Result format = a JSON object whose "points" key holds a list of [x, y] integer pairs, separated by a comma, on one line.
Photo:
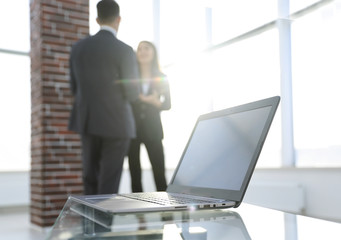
{"points": [[156, 23], [284, 29], [290, 226], [208, 15], [288, 147], [208, 33]]}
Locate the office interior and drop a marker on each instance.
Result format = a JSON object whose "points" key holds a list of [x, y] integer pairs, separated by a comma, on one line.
{"points": [[216, 54]]}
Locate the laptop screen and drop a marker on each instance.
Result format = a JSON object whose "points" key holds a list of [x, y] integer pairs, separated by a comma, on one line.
{"points": [[221, 150]]}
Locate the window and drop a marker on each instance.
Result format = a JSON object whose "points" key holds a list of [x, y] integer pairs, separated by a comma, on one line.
{"points": [[202, 82], [316, 87], [245, 70], [15, 101], [15, 25]]}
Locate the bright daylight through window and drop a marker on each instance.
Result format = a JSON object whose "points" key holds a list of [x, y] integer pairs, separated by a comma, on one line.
{"points": [[242, 65]]}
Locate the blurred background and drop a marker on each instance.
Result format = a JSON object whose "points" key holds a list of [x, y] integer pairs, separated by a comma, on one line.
{"points": [[216, 54]]}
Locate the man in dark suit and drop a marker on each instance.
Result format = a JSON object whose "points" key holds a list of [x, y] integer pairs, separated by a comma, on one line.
{"points": [[102, 72]]}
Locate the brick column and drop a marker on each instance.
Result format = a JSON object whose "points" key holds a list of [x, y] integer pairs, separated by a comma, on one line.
{"points": [[56, 169]]}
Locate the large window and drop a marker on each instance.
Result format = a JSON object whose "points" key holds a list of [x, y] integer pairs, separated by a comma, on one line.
{"points": [[235, 72], [15, 86], [15, 25], [316, 39], [219, 79], [244, 67]]}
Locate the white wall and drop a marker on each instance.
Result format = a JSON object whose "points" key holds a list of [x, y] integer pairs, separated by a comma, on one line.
{"points": [[309, 191], [14, 188], [315, 191]]}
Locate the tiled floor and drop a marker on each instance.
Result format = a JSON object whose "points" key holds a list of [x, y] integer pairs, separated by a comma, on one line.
{"points": [[15, 225]]}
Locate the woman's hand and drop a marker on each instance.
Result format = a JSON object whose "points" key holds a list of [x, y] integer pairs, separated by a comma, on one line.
{"points": [[152, 99]]}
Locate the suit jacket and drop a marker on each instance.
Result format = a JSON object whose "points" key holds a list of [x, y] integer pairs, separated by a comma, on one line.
{"points": [[147, 116], [101, 67]]}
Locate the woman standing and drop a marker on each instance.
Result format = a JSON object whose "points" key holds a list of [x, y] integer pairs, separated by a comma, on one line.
{"points": [[155, 97]]}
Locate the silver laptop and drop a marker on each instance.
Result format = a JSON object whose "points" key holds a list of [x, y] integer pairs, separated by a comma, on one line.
{"points": [[215, 167]]}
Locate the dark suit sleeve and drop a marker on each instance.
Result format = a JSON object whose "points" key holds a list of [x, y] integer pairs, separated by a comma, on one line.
{"points": [[129, 74]]}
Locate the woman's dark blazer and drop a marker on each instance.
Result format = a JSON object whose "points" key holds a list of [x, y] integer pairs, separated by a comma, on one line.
{"points": [[147, 116]]}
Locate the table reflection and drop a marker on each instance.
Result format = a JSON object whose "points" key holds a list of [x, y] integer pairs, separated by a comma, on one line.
{"points": [[82, 222], [78, 221]]}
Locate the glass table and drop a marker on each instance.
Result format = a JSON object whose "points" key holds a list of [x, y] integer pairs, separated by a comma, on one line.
{"points": [[77, 221]]}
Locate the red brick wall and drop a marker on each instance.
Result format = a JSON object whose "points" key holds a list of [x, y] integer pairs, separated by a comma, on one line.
{"points": [[56, 169]]}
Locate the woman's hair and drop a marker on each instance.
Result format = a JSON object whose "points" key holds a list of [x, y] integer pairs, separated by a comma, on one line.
{"points": [[155, 66]]}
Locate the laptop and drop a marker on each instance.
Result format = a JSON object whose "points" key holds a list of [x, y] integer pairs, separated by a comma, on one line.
{"points": [[215, 168]]}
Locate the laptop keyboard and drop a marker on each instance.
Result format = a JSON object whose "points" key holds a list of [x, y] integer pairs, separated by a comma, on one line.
{"points": [[163, 198]]}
